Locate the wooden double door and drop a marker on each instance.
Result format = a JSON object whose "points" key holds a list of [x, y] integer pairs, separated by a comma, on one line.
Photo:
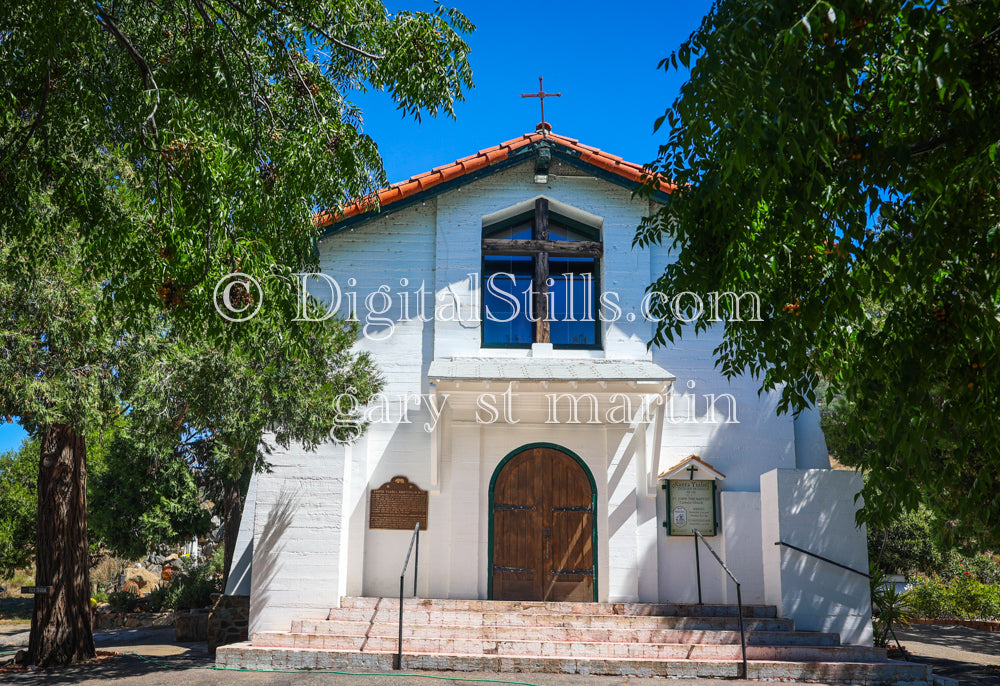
{"points": [[543, 528]]}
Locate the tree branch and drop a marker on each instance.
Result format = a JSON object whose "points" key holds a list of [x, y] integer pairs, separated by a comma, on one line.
{"points": [[347, 46], [148, 82], [46, 86], [929, 145], [108, 23]]}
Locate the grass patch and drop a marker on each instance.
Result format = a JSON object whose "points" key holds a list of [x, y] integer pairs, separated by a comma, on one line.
{"points": [[15, 610]]}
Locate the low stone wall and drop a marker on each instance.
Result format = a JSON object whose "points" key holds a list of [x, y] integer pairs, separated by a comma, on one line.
{"points": [[228, 621], [191, 627], [131, 620]]}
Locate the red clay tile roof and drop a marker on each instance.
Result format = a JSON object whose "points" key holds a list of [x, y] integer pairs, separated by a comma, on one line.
{"points": [[421, 182]]}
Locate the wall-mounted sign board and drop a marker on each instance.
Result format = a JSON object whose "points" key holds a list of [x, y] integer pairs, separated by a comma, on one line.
{"points": [[398, 504], [690, 506], [691, 485]]}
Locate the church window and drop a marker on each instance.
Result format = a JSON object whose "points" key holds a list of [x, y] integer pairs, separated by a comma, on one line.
{"points": [[540, 280]]}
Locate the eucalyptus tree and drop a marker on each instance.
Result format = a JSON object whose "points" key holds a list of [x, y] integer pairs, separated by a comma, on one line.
{"points": [[170, 143], [840, 159]]}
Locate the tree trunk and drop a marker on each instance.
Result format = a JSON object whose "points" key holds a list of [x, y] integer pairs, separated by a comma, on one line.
{"points": [[233, 495], [61, 631]]}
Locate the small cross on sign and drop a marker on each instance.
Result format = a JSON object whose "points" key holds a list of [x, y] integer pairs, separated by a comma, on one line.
{"points": [[541, 95], [691, 470]]}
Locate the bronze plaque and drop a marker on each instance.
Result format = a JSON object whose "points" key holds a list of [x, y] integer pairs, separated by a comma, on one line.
{"points": [[398, 504]]}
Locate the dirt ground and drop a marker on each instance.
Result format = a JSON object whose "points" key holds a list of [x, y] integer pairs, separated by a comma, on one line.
{"points": [[150, 656]]}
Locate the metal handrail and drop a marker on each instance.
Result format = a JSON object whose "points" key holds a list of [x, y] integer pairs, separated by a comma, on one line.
{"points": [[820, 557], [414, 544], [850, 569], [739, 594]]}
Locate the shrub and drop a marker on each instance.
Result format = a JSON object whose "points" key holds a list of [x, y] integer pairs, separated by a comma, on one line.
{"points": [[105, 574], [125, 601], [985, 568], [197, 584], [964, 597], [912, 544], [904, 545], [190, 587], [162, 598]]}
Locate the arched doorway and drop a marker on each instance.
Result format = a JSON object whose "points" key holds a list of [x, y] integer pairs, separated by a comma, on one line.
{"points": [[542, 527]]}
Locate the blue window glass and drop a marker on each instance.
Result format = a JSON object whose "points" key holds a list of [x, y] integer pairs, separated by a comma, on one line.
{"points": [[558, 232], [519, 231], [572, 301], [507, 301]]}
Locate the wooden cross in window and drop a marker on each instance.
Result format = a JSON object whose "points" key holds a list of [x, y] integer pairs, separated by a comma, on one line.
{"points": [[540, 247]]}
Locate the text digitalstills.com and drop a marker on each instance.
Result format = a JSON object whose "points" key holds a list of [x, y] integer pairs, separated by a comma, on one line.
{"points": [[504, 298]]}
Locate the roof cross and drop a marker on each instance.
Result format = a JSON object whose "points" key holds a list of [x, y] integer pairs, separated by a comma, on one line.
{"points": [[691, 470], [541, 95]]}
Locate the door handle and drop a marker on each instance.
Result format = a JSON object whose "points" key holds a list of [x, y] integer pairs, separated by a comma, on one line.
{"points": [[547, 532]]}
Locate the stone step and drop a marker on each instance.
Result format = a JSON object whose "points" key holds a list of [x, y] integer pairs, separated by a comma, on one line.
{"points": [[245, 656], [477, 619], [572, 648], [530, 607], [504, 631]]}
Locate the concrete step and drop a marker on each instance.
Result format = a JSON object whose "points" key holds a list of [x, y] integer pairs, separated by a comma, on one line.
{"points": [[567, 633], [530, 607], [478, 645], [245, 656], [478, 619]]}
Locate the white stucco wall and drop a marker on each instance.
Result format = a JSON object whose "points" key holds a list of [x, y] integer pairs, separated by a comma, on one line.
{"points": [[741, 536], [810, 443], [814, 509]]}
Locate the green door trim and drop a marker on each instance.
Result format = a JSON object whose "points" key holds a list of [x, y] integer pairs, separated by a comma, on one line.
{"points": [[593, 504]]}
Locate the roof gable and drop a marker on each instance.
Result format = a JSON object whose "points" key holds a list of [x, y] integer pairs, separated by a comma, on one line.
{"points": [[704, 469], [485, 163]]}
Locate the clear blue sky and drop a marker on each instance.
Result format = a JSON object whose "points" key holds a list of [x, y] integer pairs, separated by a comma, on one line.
{"points": [[11, 436], [601, 56]]}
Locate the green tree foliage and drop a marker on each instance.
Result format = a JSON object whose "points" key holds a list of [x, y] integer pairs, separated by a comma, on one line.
{"points": [[228, 408], [143, 495], [59, 354], [839, 159], [18, 503], [149, 148], [916, 543], [186, 139]]}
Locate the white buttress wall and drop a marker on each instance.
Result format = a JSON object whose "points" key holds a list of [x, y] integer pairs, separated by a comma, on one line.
{"points": [[297, 516], [814, 509]]}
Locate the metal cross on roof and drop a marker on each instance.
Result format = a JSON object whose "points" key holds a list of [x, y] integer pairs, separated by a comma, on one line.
{"points": [[541, 95]]}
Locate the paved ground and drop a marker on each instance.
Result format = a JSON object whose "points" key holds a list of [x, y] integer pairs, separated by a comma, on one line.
{"points": [[972, 657]]}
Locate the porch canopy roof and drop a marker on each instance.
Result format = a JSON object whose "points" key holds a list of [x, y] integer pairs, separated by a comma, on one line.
{"points": [[548, 369]]}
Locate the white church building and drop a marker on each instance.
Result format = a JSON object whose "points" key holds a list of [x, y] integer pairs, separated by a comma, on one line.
{"points": [[547, 452]]}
